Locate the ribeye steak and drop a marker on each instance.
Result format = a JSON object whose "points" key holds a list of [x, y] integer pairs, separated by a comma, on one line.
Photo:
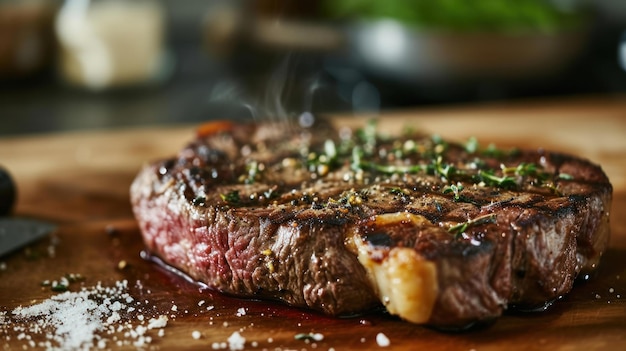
{"points": [[343, 221]]}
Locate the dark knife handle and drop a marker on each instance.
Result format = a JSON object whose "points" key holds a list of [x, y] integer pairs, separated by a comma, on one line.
{"points": [[7, 192]]}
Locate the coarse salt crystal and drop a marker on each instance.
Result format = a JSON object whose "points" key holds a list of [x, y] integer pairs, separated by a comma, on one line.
{"points": [[236, 341], [382, 340], [141, 330], [196, 334], [139, 342], [160, 322], [113, 318], [87, 319]]}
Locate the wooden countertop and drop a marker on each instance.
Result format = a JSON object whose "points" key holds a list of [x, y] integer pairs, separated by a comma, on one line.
{"points": [[80, 181]]}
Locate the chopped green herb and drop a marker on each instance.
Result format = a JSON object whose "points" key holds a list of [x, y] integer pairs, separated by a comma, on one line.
{"points": [[471, 145], [440, 145], [443, 169], [357, 159], [461, 228], [566, 176], [525, 170], [349, 199], [271, 193], [253, 169], [59, 288], [303, 336], [553, 188], [409, 147], [368, 136], [324, 162], [309, 336], [397, 191], [231, 197], [493, 151], [61, 285], [493, 180], [455, 189], [368, 133], [391, 169], [437, 139], [409, 130], [330, 149]]}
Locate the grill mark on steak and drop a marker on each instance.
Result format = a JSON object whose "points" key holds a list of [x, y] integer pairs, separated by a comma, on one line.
{"points": [[266, 211]]}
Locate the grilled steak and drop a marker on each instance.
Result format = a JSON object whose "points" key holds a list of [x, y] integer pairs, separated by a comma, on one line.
{"points": [[344, 221]]}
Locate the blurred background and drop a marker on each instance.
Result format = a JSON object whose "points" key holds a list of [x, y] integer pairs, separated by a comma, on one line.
{"points": [[80, 64]]}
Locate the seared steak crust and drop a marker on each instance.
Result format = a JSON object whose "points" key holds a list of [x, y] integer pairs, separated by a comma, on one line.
{"points": [[345, 221]]}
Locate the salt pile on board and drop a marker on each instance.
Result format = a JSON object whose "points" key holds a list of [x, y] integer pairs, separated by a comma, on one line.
{"points": [[91, 318]]}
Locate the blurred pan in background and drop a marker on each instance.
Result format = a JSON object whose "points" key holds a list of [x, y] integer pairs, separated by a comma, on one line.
{"points": [[416, 48]]}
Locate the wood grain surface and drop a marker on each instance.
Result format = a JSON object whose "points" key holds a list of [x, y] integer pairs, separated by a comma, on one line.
{"points": [[80, 182]]}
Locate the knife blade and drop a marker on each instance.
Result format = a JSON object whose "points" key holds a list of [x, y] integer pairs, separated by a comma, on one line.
{"points": [[18, 232]]}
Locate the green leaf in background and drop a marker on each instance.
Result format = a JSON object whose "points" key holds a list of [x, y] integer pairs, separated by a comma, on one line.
{"points": [[461, 15]]}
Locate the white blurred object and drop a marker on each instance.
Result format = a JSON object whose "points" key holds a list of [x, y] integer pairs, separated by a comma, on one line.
{"points": [[110, 43]]}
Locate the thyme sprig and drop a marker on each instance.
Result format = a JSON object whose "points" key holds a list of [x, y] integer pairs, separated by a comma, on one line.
{"points": [[436, 167], [525, 170], [471, 145], [461, 228], [253, 170], [455, 189], [488, 177], [493, 151], [439, 145], [368, 136], [431, 161], [446, 170]]}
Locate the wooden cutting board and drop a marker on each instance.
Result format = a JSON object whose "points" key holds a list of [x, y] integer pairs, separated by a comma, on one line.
{"points": [[80, 182]]}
